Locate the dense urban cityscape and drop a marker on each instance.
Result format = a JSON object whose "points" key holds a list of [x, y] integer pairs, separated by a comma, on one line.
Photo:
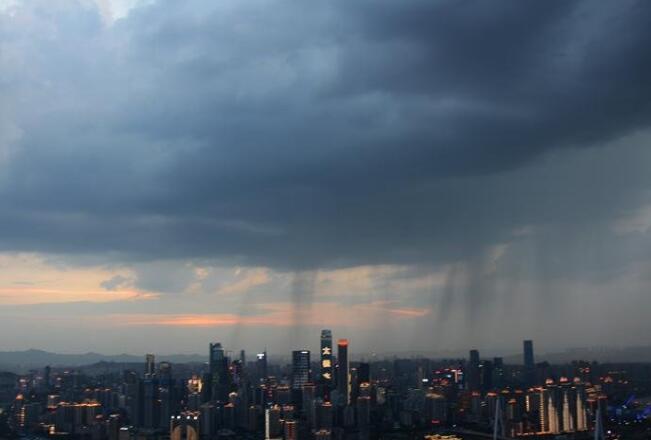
{"points": [[327, 397]]}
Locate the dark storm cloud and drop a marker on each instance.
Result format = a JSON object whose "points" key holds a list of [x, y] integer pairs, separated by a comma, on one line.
{"points": [[301, 135]]}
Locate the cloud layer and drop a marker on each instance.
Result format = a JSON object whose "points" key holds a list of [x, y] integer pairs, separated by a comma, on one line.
{"points": [[499, 148]]}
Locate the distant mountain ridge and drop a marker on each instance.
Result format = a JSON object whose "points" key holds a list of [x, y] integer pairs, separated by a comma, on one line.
{"points": [[32, 358], [599, 354], [21, 360]]}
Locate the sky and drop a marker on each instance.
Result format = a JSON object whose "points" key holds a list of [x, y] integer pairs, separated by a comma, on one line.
{"points": [[416, 175]]}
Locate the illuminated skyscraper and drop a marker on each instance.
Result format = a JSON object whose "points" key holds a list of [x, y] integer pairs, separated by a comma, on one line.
{"points": [[343, 376], [185, 426], [291, 430], [323, 434], [326, 358], [581, 415], [300, 368], [261, 365], [543, 411], [568, 419], [552, 414], [272, 425]]}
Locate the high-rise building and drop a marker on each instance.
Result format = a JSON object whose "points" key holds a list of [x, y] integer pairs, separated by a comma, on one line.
{"points": [[326, 358], [133, 396], [165, 372], [185, 426], [291, 430], [209, 422], [150, 365], [343, 376], [217, 357], [364, 372], [529, 365], [569, 424], [324, 416], [581, 415], [363, 413], [473, 378], [323, 434], [498, 372], [46, 377], [261, 365], [486, 369], [435, 408], [272, 426], [150, 402], [218, 365], [309, 404], [300, 368]]}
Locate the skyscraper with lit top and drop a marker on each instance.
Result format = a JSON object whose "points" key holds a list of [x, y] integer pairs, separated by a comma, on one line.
{"points": [[300, 368], [343, 375]]}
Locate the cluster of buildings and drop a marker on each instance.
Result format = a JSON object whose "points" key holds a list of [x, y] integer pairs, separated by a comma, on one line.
{"points": [[535, 401], [318, 397]]}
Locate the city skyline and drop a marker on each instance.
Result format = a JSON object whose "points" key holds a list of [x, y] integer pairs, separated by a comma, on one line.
{"points": [[424, 175], [229, 397]]}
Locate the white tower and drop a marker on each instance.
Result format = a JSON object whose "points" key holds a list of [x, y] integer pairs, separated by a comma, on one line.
{"points": [[568, 420], [581, 417]]}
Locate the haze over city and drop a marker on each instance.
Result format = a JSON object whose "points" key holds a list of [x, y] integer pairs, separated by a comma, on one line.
{"points": [[423, 175]]}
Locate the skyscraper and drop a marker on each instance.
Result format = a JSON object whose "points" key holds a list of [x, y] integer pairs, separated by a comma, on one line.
{"points": [[581, 416], [343, 379], [291, 430], [46, 377], [217, 356], [150, 365], [261, 365], [300, 368], [486, 375], [218, 365], [364, 372], [529, 365], [498, 372], [272, 425], [326, 358], [473, 380], [150, 402]]}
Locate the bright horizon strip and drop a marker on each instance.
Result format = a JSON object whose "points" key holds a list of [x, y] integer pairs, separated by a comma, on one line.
{"points": [[277, 315], [31, 296]]}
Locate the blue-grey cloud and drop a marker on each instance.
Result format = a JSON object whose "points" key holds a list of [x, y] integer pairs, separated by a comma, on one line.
{"points": [[309, 135], [116, 282]]}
